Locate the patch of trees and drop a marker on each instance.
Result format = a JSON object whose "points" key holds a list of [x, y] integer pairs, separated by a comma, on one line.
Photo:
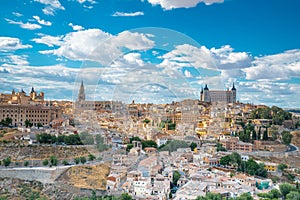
{"points": [[220, 147], [46, 138], [6, 161], [286, 137], [171, 126], [73, 139], [250, 167], [213, 196], [276, 114], [6, 122], [286, 191], [145, 143], [174, 145], [123, 196]]}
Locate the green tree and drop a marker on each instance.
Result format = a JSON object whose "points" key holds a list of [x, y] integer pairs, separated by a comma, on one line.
{"points": [[82, 159], [28, 123], [225, 160], [282, 167], [220, 147], [39, 125], [65, 162], [286, 137], [274, 194], [293, 195], [176, 177], [251, 167], [135, 138], [148, 143], [235, 159], [45, 162], [26, 163], [91, 157], [174, 145], [265, 135], [6, 161], [53, 160], [125, 196], [6, 122], [86, 138], [261, 171], [193, 146], [146, 121], [254, 135], [245, 196], [285, 188], [128, 147], [77, 161], [210, 196]]}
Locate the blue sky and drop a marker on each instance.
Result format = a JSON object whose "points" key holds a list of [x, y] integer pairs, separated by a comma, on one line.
{"points": [[152, 50]]}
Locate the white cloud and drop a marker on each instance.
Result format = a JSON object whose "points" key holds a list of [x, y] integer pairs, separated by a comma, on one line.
{"points": [[96, 45], [172, 4], [123, 14], [201, 57], [50, 6], [76, 27], [280, 66], [17, 14], [27, 25], [18, 60], [12, 44], [41, 21], [187, 74], [84, 1], [49, 40]]}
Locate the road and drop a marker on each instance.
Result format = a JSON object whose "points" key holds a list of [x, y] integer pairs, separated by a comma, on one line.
{"points": [[292, 148]]}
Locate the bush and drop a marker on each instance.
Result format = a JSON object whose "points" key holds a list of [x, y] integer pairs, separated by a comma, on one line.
{"points": [[45, 162]]}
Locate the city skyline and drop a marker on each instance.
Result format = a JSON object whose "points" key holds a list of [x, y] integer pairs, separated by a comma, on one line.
{"points": [[152, 51]]}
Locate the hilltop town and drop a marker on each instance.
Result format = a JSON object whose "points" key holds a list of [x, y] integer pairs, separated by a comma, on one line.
{"points": [[211, 147]]}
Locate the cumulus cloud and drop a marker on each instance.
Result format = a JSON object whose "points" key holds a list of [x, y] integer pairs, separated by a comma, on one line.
{"points": [[12, 44], [26, 25], [41, 21], [169, 5], [49, 40], [280, 66], [123, 14], [18, 60], [76, 27], [223, 58], [50, 6], [99, 46]]}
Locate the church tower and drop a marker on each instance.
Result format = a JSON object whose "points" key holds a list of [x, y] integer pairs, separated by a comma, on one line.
{"points": [[233, 93], [81, 93], [206, 94]]}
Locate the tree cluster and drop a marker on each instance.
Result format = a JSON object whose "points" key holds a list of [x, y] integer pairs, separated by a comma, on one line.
{"points": [[286, 191], [276, 114], [250, 167], [174, 145], [212, 196], [6, 122]]}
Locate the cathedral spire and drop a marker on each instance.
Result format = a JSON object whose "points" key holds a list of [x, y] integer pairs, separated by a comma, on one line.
{"points": [[206, 88], [81, 94], [233, 87]]}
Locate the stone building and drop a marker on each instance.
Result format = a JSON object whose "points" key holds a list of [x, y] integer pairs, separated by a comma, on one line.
{"points": [[227, 96]]}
